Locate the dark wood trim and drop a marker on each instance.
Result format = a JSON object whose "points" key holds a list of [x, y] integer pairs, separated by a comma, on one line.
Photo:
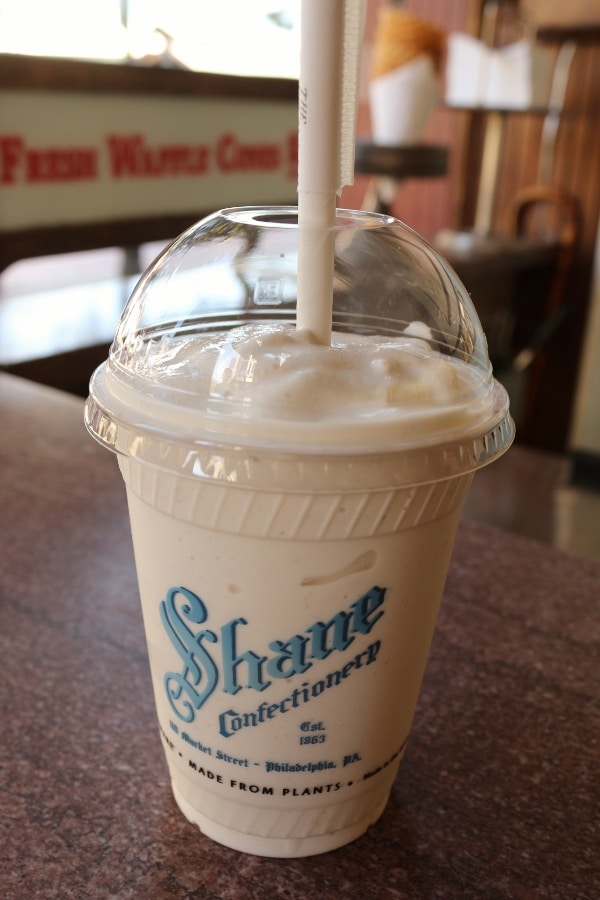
{"points": [[69, 371], [48, 74], [586, 470], [49, 240], [413, 161], [585, 33], [46, 241]]}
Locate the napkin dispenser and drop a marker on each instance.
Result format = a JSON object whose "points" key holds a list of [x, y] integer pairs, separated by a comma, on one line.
{"points": [[516, 76]]}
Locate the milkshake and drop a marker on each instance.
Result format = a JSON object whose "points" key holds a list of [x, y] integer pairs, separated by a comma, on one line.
{"points": [[293, 508]]}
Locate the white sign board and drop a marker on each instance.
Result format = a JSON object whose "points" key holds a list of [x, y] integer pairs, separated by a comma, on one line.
{"points": [[75, 157]]}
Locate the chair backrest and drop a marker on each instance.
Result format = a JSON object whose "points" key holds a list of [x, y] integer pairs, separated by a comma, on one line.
{"points": [[556, 216]]}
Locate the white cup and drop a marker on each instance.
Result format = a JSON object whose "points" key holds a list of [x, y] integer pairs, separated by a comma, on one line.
{"points": [[290, 584]]}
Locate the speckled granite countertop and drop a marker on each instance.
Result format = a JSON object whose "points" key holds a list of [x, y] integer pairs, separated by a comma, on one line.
{"points": [[497, 796]]}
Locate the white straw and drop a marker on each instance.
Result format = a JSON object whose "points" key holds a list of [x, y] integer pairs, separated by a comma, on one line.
{"points": [[331, 32]]}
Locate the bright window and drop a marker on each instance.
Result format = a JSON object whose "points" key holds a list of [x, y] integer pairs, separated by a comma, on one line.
{"points": [[240, 37]]}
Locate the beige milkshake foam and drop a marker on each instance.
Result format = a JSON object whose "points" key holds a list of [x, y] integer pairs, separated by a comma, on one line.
{"points": [[293, 509]]}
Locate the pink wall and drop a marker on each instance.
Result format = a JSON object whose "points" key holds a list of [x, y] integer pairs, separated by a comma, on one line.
{"points": [[427, 204]]}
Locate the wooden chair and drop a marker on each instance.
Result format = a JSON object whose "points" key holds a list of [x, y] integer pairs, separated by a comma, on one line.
{"points": [[550, 215]]}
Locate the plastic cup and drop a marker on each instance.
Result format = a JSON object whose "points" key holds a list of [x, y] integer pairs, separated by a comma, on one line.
{"points": [[291, 571]]}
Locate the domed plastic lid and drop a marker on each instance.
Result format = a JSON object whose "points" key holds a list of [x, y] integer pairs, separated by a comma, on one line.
{"points": [[207, 353]]}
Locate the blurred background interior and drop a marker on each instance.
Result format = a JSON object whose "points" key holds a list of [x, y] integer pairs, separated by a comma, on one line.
{"points": [[508, 188]]}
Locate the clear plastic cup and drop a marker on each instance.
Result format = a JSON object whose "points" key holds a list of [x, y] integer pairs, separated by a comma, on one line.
{"points": [[293, 510]]}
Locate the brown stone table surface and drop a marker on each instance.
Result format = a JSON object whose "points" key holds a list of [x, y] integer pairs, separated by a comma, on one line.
{"points": [[498, 794]]}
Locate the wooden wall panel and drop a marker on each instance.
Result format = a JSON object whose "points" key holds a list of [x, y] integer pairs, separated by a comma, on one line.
{"points": [[576, 170], [558, 12], [429, 205], [576, 165]]}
